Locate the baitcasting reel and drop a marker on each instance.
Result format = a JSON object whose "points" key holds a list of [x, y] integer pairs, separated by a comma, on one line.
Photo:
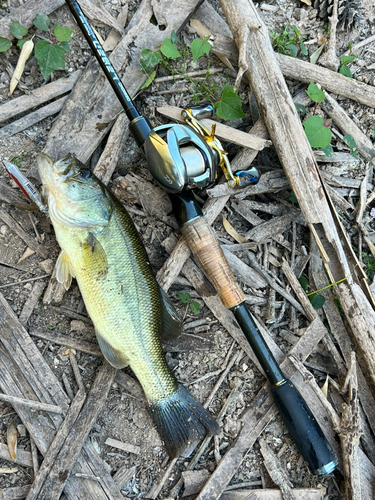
{"points": [[187, 156]]}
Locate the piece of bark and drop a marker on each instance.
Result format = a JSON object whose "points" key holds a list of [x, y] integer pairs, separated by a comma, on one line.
{"points": [[124, 475], [39, 96], [24, 373], [14, 493], [222, 131], [36, 405], [276, 225], [273, 494], [55, 291], [29, 240], [32, 118], [127, 447], [343, 121], [100, 16], [194, 480], [23, 457], [276, 471], [26, 14], [114, 37], [31, 302], [69, 440], [92, 100], [299, 164], [74, 343], [108, 160]]}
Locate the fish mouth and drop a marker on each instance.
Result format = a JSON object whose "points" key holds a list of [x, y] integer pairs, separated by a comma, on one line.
{"points": [[54, 173]]}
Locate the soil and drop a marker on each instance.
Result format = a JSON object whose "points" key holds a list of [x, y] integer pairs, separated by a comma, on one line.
{"points": [[124, 417]]}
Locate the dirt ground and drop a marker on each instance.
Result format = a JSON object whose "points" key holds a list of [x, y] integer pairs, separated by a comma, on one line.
{"points": [[124, 417]]}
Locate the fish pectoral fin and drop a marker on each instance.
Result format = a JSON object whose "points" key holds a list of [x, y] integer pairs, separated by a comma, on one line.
{"points": [[64, 271], [171, 324], [112, 355], [94, 254]]}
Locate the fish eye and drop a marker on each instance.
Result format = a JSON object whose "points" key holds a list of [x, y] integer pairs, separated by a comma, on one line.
{"points": [[85, 174]]}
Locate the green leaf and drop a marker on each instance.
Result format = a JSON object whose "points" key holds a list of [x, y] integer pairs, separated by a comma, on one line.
{"points": [[300, 108], [353, 152], [348, 139], [304, 282], [293, 49], [184, 296], [149, 80], [315, 93], [5, 44], [199, 48], [229, 106], [65, 46], [50, 57], [169, 49], [174, 37], [328, 151], [42, 21], [318, 135], [21, 42], [344, 70], [62, 34], [293, 198], [195, 307], [18, 30], [317, 300], [303, 48], [347, 59], [149, 59], [315, 55]]}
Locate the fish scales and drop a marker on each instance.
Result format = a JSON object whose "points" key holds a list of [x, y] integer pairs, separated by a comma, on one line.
{"points": [[101, 248]]}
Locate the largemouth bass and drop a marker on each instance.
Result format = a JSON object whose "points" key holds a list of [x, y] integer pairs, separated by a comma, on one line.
{"points": [[101, 248]]}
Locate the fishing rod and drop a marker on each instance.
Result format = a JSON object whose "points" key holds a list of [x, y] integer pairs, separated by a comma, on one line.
{"points": [[184, 156]]}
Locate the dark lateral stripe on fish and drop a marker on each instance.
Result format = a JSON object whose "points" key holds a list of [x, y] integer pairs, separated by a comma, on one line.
{"points": [[181, 420]]}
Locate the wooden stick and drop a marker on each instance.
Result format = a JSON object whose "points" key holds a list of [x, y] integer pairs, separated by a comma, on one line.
{"points": [[38, 96], [31, 302], [36, 405], [23, 457], [223, 132], [32, 118]]}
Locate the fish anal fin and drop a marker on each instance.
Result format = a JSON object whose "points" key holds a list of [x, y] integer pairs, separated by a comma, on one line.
{"points": [[172, 324], [64, 271], [112, 355], [94, 255]]}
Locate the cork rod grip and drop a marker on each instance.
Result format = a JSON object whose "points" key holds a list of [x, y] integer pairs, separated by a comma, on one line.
{"points": [[206, 250]]}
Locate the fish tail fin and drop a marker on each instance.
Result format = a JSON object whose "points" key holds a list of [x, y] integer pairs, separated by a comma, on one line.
{"points": [[181, 420]]}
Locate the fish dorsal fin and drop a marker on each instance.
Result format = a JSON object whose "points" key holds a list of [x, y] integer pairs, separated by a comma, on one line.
{"points": [[172, 324], [116, 358], [94, 255], [64, 271]]}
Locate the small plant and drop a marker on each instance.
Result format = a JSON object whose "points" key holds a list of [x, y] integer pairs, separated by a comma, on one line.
{"points": [[318, 130], [317, 300], [345, 60], [173, 55], [289, 42], [185, 298], [50, 54]]}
